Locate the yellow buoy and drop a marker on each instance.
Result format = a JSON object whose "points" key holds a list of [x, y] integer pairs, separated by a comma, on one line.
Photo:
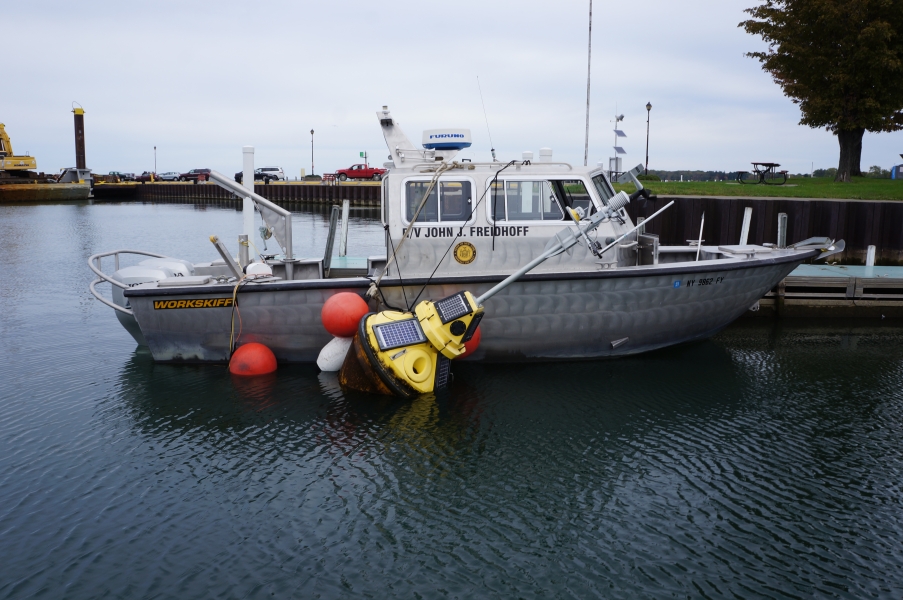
{"points": [[409, 353]]}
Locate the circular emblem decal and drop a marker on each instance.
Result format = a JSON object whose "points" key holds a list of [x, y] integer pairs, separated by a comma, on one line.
{"points": [[465, 253]]}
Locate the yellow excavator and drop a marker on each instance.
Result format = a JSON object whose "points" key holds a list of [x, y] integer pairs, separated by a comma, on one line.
{"points": [[10, 164]]}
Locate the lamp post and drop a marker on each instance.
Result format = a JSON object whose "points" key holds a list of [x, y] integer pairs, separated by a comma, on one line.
{"points": [[648, 112], [155, 160], [311, 151]]}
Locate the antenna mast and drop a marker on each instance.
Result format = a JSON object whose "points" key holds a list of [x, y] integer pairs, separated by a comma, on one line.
{"points": [[491, 145], [589, 57]]}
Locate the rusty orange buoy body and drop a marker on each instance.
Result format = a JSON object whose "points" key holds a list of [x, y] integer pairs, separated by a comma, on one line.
{"points": [[342, 313], [252, 359]]}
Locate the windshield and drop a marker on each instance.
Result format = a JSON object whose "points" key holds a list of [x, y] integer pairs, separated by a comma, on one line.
{"points": [[576, 196], [603, 188]]}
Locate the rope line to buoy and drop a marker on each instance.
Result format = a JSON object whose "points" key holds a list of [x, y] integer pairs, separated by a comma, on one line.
{"points": [[233, 339], [461, 230]]}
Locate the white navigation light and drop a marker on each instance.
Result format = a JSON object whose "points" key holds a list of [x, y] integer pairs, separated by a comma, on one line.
{"points": [[446, 139]]}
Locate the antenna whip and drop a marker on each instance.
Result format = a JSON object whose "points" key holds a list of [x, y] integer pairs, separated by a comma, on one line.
{"points": [[492, 146]]}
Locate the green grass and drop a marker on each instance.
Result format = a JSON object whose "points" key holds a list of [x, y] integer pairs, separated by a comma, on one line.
{"points": [[861, 188]]}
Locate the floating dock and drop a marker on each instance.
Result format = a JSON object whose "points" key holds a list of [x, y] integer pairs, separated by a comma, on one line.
{"points": [[836, 291]]}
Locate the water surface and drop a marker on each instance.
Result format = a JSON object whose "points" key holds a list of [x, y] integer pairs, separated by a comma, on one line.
{"points": [[765, 462]]}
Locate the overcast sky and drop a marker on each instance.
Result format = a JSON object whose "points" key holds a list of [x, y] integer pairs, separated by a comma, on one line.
{"points": [[201, 79]]}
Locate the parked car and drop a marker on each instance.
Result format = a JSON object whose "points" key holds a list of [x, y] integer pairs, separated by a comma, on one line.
{"points": [[360, 172], [265, 174], [258, 176], [123, 176], [147, 176], [274, 173], [169, 176], [194, 174]]}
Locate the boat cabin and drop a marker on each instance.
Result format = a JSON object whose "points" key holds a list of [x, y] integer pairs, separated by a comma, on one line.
{"points": [[466, 218]]}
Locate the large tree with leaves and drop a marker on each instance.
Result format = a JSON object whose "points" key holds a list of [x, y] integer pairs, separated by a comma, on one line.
{"points": [[841, 61]]}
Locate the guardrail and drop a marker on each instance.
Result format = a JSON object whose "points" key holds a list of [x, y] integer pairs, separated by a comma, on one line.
{"points": [[94, 263]]}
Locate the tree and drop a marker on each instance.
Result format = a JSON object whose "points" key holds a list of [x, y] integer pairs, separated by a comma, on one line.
{"points": [[841, 61], [878, 173]]}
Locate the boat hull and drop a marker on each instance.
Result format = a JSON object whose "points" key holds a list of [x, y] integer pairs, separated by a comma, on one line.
{"points": [[540, 317], [44, 192]]}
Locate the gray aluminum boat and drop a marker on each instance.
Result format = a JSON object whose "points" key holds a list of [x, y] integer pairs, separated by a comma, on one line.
{"points": [[453, 226]]}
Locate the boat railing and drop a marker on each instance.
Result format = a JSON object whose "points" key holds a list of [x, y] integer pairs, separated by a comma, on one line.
{"points": [[94, 263]]}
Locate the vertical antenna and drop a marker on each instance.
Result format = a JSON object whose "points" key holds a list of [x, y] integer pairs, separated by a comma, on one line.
{"points": [[492, 146], [589, 57]]}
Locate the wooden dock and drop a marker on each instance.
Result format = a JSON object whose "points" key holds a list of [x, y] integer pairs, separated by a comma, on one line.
{"points": [[821, 290]]}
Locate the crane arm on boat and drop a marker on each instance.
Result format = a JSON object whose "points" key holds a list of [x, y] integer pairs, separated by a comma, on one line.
{"points": [[278, 220]]}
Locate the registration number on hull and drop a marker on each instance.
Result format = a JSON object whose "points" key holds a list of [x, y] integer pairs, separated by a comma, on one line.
{"points": [[704, 281]]}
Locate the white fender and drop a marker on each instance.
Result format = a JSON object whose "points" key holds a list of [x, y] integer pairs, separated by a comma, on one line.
{"points": [[333, 354]]}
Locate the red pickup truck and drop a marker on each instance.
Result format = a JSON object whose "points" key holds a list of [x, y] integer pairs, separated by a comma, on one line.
{"points": [[360, 172]]}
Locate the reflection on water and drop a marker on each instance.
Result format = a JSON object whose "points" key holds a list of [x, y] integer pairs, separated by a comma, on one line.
{"points": [[764, 462]]}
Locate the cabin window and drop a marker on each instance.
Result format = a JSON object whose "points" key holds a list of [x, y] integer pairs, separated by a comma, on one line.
{"points": [[448, 201], [604, 188], [524, 201]]}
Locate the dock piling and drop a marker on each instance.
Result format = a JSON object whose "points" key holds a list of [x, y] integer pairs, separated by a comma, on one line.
{"points": [[343, 240], [782, 230], [744, 231]]}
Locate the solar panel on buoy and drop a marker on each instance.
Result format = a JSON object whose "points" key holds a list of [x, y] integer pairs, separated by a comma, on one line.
{"points": [[620, 150], [620, 133], [398, 334], [453, 307]]}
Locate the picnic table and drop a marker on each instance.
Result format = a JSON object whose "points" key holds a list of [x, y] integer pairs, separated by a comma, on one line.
{"points": [[764, 171]]}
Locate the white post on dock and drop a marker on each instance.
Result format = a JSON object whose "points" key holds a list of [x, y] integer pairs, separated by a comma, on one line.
{"points": [[247, 206], [744, 232], [870, 257], [782, 230], [343, 240]]}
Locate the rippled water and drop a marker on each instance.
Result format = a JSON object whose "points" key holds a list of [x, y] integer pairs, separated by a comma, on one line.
{"points": [[765, 462]]}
